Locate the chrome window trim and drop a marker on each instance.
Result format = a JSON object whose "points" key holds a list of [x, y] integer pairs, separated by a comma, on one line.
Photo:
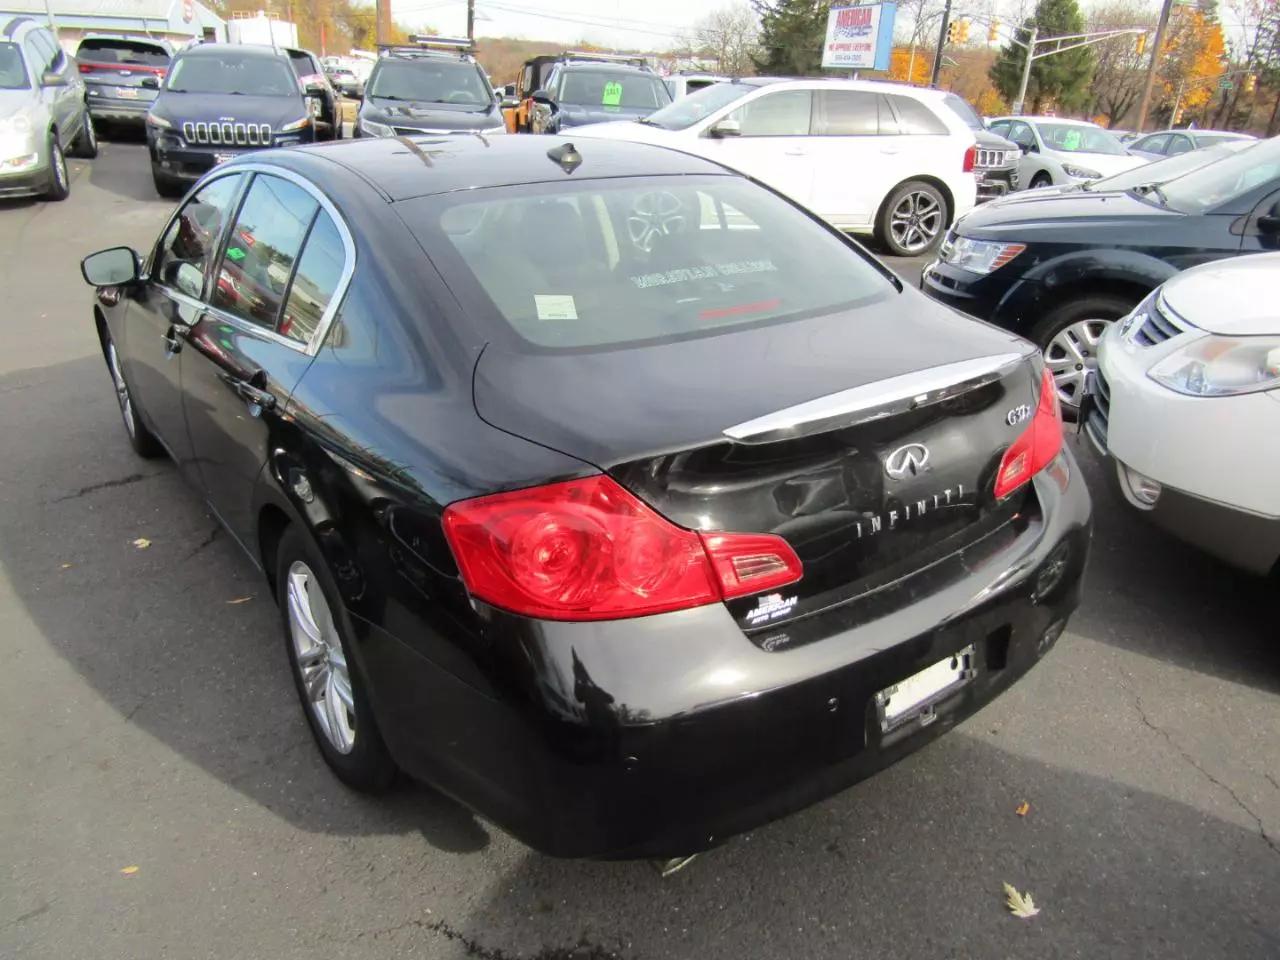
{"points": [[216, 174], [876, 400], [312, 346]]}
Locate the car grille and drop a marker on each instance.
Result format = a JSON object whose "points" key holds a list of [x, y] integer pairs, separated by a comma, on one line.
{"points": [[1158, 327], [991, 158], [1099, 416], [228, 134]]}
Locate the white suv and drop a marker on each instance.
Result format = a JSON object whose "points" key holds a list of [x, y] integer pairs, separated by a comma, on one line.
{"points": [[1186, 402], [867, 157]]}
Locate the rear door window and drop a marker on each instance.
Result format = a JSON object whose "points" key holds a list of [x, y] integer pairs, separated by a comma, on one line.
{"points": [[915, 119], [262, 247], [845, 113], [624, 261], [1179, 143], [1155, 144], [183, 256], [782, 114], [319, 272]]}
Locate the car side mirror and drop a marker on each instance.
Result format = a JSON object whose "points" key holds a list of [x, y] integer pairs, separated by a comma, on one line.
{"points": [[509, 90], [151, 83], [1270, 222], [544, 97], [51, 78], [315, 90], [111, 268], [726, 128]]}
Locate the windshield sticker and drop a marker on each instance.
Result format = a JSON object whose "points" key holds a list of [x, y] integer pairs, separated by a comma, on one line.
{"points": [[611, 96], [685, 274], [1072, 140], [236, 254], [555, 306]]}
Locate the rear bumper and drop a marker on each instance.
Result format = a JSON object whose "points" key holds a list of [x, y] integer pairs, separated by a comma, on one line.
{"points": [[664, 735], [116, 110]]}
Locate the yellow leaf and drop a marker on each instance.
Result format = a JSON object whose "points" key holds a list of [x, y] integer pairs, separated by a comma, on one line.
{"points": [[1022, 809], [142, 543], [240, 600], [129, 871], [1019, 904], [66, 566]]}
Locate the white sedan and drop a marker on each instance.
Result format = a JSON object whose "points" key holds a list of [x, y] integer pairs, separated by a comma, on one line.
{"points": [[1186, 403], [1057, 151]]}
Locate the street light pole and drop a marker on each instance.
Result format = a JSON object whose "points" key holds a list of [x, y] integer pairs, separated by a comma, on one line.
{"points": [[471, 20], [1021, 102], [942, 42], [1145, 103]]}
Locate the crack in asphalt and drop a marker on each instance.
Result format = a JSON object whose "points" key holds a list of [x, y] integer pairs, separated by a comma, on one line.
{"points": [[207, 541], [105, 485], [582, 950], [1187, 756], [29, 915]]}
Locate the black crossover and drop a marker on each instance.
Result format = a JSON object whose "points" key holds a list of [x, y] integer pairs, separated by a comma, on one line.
{"points": [[1059, 267], [685, 519]]}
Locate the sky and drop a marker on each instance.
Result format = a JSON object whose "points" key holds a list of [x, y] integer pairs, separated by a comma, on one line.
{"points": [[622, 23]]}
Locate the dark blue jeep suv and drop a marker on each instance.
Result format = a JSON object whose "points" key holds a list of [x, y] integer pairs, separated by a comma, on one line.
{"points": [[219, 101]]}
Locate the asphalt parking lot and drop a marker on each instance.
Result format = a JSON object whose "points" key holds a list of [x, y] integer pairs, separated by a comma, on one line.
{"points": [[160, 795]]}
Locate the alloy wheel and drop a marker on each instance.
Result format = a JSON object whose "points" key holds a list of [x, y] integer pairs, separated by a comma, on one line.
{"points": [[319, 658], [1071, 355], [916, 221], [122, 389], [59, 169]]}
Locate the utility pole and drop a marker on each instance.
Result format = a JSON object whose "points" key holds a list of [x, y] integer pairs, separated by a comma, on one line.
{"points": [[1020, 103], [1145, 103], [471, 21], [384, 21], [942, 42]]}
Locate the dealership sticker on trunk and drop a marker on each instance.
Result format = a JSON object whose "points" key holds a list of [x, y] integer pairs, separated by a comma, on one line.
{"points": [[770, 607]]}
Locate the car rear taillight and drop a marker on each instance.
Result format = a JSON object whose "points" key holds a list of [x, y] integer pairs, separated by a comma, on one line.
{"points": [[89, 67], [970, 158], [1038, 445], [589, 550]]}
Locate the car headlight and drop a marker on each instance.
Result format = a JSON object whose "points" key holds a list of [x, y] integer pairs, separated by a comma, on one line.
{"points": [[369, 128], [300, 124], [980, 256], [1080, 173], [160, 122], [17, 125], [1216, 366]]}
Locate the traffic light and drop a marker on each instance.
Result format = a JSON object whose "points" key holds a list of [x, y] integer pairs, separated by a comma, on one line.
{"points": [[953, 31], [1250, 82], [962, 31], [1140, 45], [993, 31]]}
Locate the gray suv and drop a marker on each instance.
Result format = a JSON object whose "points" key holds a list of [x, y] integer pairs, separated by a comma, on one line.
{"points": [[43, 116]]}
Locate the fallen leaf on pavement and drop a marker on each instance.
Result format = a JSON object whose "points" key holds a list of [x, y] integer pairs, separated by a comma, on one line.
{"points": [[1023, 809], [66, 566], [241, 599], [1020, 904], [129, 871], [142, 543]]}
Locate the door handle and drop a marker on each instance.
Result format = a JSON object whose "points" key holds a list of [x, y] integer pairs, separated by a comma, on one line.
{"points": [[252, 394], [795, 152], [171, 338]]}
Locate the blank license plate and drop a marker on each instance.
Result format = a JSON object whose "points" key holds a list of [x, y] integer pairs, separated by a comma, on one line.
{"points": [[920, 688], [127, 93]]}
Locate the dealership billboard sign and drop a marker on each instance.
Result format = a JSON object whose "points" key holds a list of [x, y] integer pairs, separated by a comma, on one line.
{"points": [[859, 38]]}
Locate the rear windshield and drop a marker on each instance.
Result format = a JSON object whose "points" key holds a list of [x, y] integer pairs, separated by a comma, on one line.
{"points": [[13, 74], [960, 107], [600, 88], [1077, 138], [122, 51], [624, 261], [429, 81], [232, 73]]}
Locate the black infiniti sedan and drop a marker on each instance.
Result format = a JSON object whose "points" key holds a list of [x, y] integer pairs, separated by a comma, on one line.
{"points": [[689, 517], [1061, 267]]}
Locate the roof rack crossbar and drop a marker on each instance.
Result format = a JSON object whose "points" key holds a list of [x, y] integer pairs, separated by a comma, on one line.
{"points": [[609, 57]]}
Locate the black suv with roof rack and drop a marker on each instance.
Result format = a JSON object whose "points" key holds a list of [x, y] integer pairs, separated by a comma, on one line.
{"points": [[121, 76], [433, 86], [596, 88], [220, 100]]}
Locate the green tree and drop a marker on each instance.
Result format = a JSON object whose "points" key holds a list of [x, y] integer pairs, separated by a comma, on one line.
{"points": [[791, 35], [1062, 79]]}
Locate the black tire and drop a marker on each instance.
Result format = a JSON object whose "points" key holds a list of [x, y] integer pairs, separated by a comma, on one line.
{"points": [[1073, 354], [1041, 179], [59, 187], [367, 766], [142, 440], [168, 187], [85, 146], [925, 224]]}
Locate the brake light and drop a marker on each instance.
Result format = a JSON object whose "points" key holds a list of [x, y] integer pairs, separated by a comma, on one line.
{"points": [[1038, 445], [589, 550], [970, 158], [88, 67]]}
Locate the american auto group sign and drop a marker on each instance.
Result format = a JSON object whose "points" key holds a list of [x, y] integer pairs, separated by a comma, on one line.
{"points": [[859, 38]]}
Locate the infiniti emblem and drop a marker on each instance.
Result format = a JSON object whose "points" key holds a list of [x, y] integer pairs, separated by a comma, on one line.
{"points": [[909, 459]]}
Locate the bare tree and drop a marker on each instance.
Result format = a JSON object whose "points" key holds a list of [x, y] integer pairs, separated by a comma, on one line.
{"points": [[730, 34], [1120, 69]]}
